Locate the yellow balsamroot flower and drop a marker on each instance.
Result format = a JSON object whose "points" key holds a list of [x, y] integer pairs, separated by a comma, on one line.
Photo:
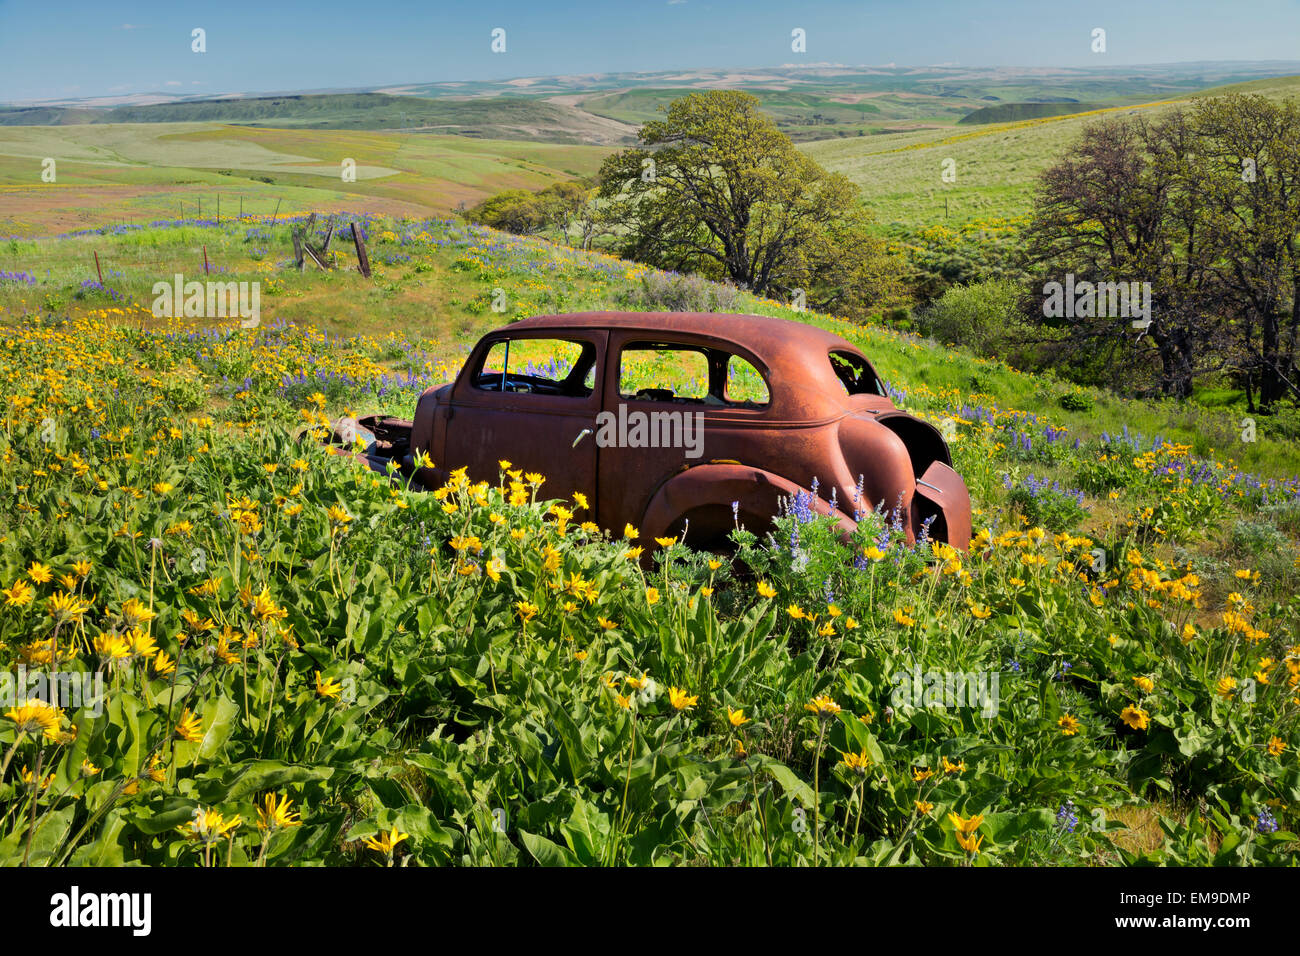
{"points": [[920, 775], [1135, 717], [737, 717], [263, 607], [35, 717], [606, 623], [766, 590], [625, 702], [328, 687], [638, 683], [857, 763], [136, 612], [580, 500], [949, 767], [209, 826], [652, 595], [40, 573], [1276, 745], [387, 842], [630, 532], [163, 665], [1225, 687], [338, 516], [19, 595], [827, 629], [112, 646], [525, 610], [1069, 725], [923, 807], [902, 617], [81, 568], [873, 553], [189, 727], [141, 642], [980, 612], [276, 815], [823, 706], [680, 699], [796, 612], [66, 607], [665, 542], [1145, 684], [162, 487], [964, 830], [580, 655]]}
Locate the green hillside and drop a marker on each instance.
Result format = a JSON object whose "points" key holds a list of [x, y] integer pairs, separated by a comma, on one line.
{"points": [[996, 164], [1015, 112], [502, 117]]}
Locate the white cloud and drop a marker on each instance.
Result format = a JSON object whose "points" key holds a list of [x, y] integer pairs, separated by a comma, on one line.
{"points": [[172, 83]]}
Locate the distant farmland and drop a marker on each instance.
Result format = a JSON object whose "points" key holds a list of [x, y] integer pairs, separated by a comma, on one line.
{"points": [[141, 172]]}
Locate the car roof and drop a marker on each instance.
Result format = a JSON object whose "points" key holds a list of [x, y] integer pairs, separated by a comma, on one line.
{"points": [[803, 384], [767, 337]]}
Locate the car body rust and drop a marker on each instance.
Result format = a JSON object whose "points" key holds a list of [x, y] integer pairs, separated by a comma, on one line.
{"points": [[827, 419]]}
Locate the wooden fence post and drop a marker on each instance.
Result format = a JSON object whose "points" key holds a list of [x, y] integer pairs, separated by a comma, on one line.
{"points": [[363, 261]]}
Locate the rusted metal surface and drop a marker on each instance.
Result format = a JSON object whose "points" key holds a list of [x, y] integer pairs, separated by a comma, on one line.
{"points": [[817, 424]]}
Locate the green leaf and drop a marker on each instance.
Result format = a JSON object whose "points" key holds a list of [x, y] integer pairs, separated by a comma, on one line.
{"points": [[546, 852]]}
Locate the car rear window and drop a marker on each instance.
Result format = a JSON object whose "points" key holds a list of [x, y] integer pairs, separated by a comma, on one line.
{"points": [[856, 374]]}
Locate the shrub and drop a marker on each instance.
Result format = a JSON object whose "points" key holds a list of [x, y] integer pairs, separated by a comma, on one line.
{"points": [[670, 292], [981, 316]]}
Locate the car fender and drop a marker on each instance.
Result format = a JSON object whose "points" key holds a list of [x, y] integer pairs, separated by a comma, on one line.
{"points": [[703, 494]]}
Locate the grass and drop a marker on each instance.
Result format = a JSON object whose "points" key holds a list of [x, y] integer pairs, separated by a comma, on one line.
{"points": [[996, 165], [427, 664]]}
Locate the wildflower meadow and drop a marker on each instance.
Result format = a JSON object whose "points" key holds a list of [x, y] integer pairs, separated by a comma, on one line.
{"points": [[281, 658]]}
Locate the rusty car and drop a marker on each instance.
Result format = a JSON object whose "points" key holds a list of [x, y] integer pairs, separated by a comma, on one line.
{"points": [[680, 423]]}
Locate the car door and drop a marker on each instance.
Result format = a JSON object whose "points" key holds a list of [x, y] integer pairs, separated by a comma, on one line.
{"points": [[531, 398]]}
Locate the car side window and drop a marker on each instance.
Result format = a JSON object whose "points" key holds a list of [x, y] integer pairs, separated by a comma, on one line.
{"points": [[856, 374], [663, 373], [745, 384], [668, 372], [538, 366]]}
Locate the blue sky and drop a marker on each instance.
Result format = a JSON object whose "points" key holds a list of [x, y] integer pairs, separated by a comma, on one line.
{"points": [[76, 48]]}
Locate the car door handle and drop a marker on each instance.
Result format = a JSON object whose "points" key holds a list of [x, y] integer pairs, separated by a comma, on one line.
{"points": [[581, 435]]}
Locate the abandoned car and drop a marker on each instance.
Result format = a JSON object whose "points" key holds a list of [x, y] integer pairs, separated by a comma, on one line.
{"points": [[661, 419]]}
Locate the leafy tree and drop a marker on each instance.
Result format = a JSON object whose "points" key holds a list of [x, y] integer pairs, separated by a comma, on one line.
{"points": [[1249, 199], [716, 189], [1121, 208], [514, 210]]}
